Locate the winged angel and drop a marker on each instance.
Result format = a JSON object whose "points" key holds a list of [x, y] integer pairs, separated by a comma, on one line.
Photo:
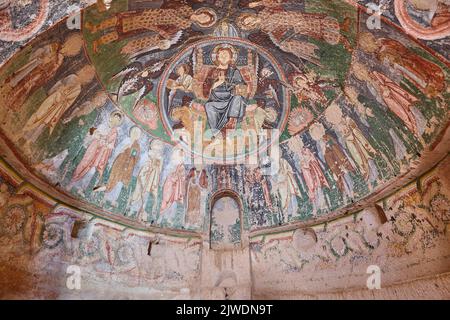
{"points": [[288, 30]]}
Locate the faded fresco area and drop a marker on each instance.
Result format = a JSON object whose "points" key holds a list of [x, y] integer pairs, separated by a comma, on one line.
{"points": [[225, 224], [427, 20], [406, 233], [97, 113], [41, 239], [21, 20]]}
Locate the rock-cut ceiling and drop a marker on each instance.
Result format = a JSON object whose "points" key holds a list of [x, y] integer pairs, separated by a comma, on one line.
{"points": [[101, 115]]}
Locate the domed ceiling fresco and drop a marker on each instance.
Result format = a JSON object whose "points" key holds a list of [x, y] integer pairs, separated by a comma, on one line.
{"points": [[131, 115]]}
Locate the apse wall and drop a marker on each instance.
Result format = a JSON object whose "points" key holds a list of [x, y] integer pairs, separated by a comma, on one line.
{"points": [[95, 179], [44, 244], [405, 235]]}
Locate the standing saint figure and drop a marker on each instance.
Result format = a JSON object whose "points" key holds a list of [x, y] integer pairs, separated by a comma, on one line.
{"points": [[337, 161], [123, 166], [99, 150], [60, 98], [42, 64], [397, 99], [174, 186], [359, 148], [197, 181], [288, 188], [262, 184], [351, 137], [311, 170], [148, 180], [224, 107], [339, 164], [426, 75]]}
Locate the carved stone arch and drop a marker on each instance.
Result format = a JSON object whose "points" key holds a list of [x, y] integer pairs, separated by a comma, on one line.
{"points": [[225, 207]]}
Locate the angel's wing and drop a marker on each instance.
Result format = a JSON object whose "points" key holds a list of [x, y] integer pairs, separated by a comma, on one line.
{"points": [[141, 94], [130, 69], [176, 38], [154, 43], [63, 82], [83, 110], [194, 60], [256, 64], [301, 49], [274, 95]]}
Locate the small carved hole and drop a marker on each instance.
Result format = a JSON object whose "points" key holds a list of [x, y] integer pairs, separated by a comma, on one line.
{"points": [[381, 214], [76, 228]]}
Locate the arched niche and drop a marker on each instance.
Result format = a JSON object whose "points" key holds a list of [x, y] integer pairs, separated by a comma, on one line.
{"points": [[225, 231]]}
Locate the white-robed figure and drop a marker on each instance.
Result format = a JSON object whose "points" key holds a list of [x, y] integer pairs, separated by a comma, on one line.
{"points": [[147, 185], [60, 98], [225, 107]]}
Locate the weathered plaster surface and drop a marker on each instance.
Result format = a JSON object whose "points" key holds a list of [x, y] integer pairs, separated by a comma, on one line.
{"points": [[93, 174], [58, 10], [332, 260], [325, 261]]}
